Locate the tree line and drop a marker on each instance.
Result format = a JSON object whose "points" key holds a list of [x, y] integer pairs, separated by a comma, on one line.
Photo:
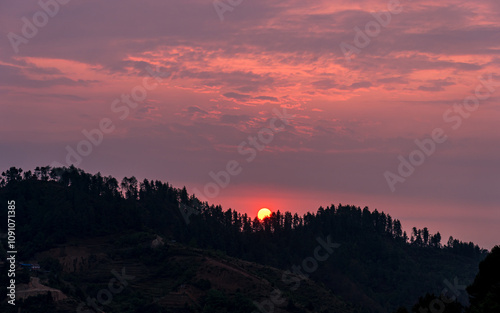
{"points": [[55, 204]]}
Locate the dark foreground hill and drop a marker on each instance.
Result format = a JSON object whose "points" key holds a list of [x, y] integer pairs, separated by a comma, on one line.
{"points": [[140, 272], [346, 254]]}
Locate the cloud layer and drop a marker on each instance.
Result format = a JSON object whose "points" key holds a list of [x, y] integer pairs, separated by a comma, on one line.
{"points": [[221, 80]]}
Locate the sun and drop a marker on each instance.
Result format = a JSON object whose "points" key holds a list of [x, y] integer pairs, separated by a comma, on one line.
{"points": [[263, 213]]}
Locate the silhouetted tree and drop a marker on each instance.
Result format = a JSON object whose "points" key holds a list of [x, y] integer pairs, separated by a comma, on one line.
{"points": [[398, 231], [12, 174], [129, 186], [425, 236], [436, 240], [484, 293]]}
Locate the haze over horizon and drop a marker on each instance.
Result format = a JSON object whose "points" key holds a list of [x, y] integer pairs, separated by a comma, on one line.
{"points": [[180, 90]]}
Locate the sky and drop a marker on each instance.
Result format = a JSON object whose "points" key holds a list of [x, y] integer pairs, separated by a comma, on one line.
{"points": [[289, 105]]}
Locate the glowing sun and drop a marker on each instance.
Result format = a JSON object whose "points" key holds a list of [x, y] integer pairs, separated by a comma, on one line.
{"points": [[263, 213]]}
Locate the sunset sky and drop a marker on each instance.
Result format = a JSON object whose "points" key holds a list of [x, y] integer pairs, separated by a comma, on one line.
{"points": [[177, 88]]}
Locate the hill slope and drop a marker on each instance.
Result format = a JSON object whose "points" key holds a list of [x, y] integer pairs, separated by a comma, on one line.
{"points": [[170, 277], [374, 264]]}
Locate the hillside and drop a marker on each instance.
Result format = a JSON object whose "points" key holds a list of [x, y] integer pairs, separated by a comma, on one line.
{"points": [[92, 224], [170, 277]]}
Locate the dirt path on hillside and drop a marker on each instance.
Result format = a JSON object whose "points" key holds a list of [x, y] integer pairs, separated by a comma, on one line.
{"points": [[35, 288]]}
